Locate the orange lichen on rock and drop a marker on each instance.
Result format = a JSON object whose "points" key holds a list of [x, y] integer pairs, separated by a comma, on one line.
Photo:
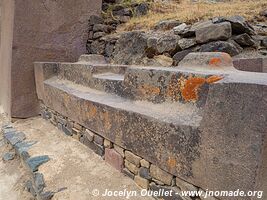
{"points": [[149, 89], [213, 79], [171, 163], [215, 61], [190, 91], [192, 85]]}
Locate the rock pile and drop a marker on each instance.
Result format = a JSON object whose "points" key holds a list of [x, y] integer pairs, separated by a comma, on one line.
{"points": [[171, 40]]}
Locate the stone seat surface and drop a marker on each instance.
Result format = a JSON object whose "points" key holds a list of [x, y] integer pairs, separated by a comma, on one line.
{"points": [[110, 76], [176, 113]]}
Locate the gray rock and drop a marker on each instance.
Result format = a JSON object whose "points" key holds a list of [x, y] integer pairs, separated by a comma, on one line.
{"points": [[97, 47], [8, 156], [128, 173], [220, 46], [168, 44], [98, 139], [213, 32], [217, 20], [186, 43], [98, 35], [264, 42], [15, 137], [161, 175], [67, 130], [37, 161], [179, 56], [240, 25], [244, 40], [94, 19], [180, 28], [141, 9], [39, 182], [167, 24], [109, 49], [29, 188], [144, 173], [23, 146], [130, 48], [151, 46], [46, 195]]}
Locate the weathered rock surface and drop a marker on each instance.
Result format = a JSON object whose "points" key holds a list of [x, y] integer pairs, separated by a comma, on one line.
{"points": [[168, 44], [244, 40], [240, 25], [220, 46], [130, 48], [213, 32]]}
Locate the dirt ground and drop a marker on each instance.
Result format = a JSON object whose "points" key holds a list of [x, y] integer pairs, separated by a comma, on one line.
{"points": [[74, 170], [12, 175]]}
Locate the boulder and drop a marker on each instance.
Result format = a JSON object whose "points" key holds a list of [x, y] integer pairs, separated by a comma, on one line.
{"points": [[244, 40], [130, 48], [264, 42], [240, 25], [168, 43], [166, 24], [179, 56], [186, 43], [141, 9], [151, 46], [220, 46], [213, 32]]}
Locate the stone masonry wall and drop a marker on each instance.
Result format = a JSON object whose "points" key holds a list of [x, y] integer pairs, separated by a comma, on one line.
{"points": [[145, 174]]}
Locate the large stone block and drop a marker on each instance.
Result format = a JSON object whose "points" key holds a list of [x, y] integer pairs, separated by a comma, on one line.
{"points": [[114, 159], [218, 144], [38, 31]]}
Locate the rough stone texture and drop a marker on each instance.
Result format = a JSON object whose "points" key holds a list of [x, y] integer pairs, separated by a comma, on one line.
{"points": [[161, 175], [60, 37], [179, 56], [167, 24], [213, 128], [220, 46], [163, 60], [168, 43], [107, 144], [128, 173], [114, 159], [131, 167], [144, 163], [251, 64], [240, 25], [8, 156], [244, 40], [35, 162], [119, 150], [144, 173], [214, 32], [186, 43], [130, 48], [134, 159], [142, 182], [167, 191], [98, 139]]}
